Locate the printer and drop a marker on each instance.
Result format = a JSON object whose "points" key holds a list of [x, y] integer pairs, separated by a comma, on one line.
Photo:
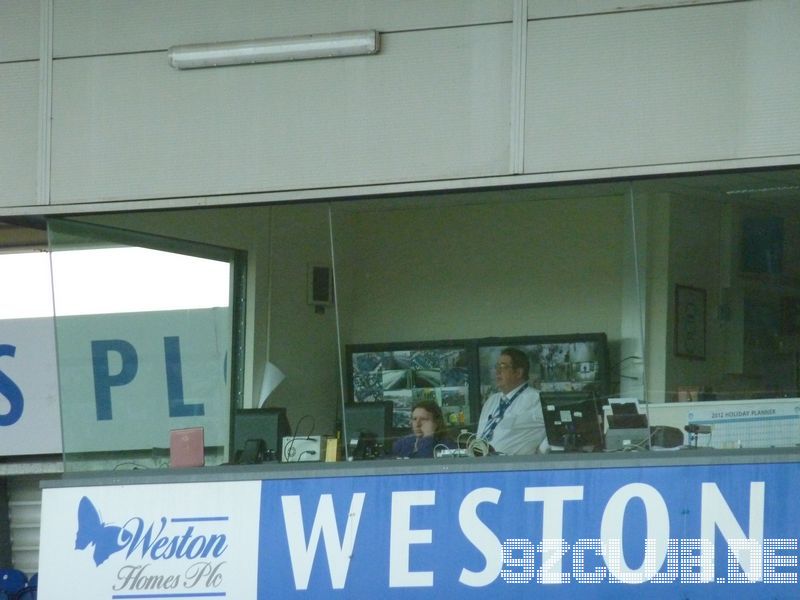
{"points": [[627, 426]]}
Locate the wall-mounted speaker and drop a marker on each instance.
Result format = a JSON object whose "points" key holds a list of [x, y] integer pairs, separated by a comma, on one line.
{"points": [[320, 285]]}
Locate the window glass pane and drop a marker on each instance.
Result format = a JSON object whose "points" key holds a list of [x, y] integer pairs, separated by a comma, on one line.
{"points": [[691, 282], [720, 301], [434, 287], [30, 422], [144, 347], [296, 364], [28, 275], [174, 281]]}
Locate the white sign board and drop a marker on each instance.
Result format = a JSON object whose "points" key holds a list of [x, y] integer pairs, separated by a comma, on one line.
{"points": [[768, 423], [762, 423], [128, 379], [181, 540], [125, 381], [29, 413]]}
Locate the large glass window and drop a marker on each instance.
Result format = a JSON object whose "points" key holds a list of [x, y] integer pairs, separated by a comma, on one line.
{"points": [[544, 269], [691, 283], [144, 330], [722, 269], [29, 410]]}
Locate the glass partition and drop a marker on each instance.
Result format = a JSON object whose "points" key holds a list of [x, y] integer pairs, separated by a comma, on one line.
{"points": [[144, 330], [548, 270], [722, 263], [296, 358], [29, 413], [694, 280], [693, 283]]}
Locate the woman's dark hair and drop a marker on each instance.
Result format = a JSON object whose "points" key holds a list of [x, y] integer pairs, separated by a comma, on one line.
{"points": [[435, 411]]}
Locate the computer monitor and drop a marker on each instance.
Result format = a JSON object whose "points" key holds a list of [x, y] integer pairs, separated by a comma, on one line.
{"points": [[558, 363], [258, 434], [407, 372], [367, 427], [573, 421]]}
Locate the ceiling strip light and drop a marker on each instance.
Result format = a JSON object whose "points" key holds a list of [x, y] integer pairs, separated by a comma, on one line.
{"points": [[764, 190], [303, 47]]}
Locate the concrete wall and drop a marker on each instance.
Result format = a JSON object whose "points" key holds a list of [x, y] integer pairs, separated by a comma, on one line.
{"points": [[490, 269], [493, 93]]}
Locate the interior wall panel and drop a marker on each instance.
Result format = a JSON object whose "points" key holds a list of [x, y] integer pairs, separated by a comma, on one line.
{"points": [[19, 99], [432, 104], [19, 30], [545, 9], [705, 83], [88, 27]]}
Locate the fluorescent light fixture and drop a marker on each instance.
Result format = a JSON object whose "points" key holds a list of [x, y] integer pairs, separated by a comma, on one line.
{"points": [[302, 47], [764, 190]]}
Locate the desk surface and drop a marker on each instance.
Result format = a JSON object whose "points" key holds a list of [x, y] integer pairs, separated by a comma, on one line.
{"points": [[275, 470]]}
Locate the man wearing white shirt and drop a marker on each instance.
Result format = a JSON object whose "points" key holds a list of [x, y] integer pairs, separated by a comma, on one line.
{"points": [[511, 420]]}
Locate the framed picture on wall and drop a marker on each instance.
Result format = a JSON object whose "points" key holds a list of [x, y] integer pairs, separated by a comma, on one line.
{"points": [[690, 322]]}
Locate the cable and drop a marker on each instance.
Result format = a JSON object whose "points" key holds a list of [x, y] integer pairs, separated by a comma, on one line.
{"points": [[303, 418], [478, 447], [438, 447], [642, 445], [473, 446], [463, 433], [287, 452], [132, 465], [339, 345]]}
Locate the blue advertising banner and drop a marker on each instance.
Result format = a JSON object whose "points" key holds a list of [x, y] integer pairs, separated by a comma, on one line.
{"points": [[666, 532], [663, 532]]}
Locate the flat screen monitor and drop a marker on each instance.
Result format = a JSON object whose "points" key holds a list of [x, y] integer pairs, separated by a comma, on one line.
{"points": [[368, 427], [406, 372], [558, 363], [573, 421], [258, 434]]}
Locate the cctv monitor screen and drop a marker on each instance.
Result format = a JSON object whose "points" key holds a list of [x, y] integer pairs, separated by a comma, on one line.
{"points": [[558, 363], [404, 373]]}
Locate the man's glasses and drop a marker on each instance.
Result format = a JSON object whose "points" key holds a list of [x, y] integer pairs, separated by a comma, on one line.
{"points": [[502, 367]]}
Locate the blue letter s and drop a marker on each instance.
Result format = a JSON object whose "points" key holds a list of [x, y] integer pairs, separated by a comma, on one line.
{"points": [[11, 391]]}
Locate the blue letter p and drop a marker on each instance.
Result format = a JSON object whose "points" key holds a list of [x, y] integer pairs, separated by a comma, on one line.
{"points": [[103, 380]]}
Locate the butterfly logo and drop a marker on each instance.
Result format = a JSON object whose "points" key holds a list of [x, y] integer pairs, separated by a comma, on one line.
{"points": [[92, 530]]}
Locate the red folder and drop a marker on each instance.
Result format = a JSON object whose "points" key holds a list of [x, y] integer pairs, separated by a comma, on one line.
{"points": [[186, 447]]}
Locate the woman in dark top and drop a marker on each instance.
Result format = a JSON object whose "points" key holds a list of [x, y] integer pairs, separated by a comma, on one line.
{"points": [[427, 432]]}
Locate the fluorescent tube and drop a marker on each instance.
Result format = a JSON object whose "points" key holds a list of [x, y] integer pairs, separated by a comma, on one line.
{"points": [[323, 45]]}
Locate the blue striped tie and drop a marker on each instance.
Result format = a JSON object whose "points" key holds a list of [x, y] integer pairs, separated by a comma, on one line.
{"points": [[505, 402]]}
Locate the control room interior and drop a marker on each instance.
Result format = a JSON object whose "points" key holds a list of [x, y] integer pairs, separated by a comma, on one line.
{"points": [[560, 259]]}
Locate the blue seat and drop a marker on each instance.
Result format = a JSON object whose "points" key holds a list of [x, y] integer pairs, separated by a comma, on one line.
{"points": [[12, 581], [29, 591], [26, 593]]}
